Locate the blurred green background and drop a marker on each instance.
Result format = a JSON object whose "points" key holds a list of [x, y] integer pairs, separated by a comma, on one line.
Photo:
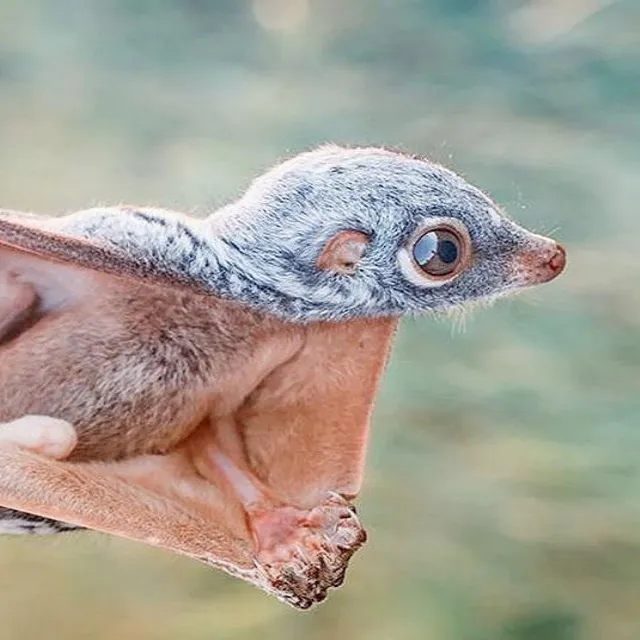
{"points": [[503, 488]]}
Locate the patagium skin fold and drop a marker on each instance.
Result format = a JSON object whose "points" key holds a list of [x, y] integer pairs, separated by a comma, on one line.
{"points": [[262, 250]]}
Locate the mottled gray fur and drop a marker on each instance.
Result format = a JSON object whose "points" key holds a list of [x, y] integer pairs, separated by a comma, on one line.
{"points": [[262, 249]]}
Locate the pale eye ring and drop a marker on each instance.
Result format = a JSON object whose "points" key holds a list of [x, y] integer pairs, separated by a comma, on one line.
{"points": [[441, 252]]}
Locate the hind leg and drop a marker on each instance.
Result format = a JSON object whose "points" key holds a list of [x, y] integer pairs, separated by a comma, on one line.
{"points": [[48, 437], [302, 552]]}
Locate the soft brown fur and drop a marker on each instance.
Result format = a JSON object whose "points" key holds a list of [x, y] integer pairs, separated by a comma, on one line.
{"points": [[202, 426], [155, 379]]}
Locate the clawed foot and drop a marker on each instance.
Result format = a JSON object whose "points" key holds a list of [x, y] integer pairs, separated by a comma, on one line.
{"points": [[302, 554]]}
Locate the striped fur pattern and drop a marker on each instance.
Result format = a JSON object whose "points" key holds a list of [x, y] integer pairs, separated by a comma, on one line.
{"points": [[18, 523]]}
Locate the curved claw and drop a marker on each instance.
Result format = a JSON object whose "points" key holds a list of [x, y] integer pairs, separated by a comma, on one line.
{"points": [[303, 554]]}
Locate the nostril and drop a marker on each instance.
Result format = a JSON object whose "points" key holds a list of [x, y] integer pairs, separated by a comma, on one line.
{"points": [[558, 260]]}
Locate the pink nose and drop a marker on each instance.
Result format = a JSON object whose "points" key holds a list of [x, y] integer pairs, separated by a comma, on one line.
{"points": [[558, 261], [542, 264]]}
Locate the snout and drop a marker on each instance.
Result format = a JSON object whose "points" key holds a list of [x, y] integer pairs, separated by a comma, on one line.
{"points": [[540, 263]]}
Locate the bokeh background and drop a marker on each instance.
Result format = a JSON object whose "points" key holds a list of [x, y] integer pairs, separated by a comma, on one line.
{"points": [[503, 488]]}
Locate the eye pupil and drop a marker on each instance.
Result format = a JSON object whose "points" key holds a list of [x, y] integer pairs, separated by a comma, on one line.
{"points": [[439, 252], [447, 251]]}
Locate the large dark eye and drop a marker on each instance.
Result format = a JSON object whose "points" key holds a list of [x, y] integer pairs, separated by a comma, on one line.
{"points": [[439, 252]]}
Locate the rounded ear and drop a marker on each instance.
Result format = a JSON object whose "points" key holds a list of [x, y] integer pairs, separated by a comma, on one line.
{"points": [[343, 252]]}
